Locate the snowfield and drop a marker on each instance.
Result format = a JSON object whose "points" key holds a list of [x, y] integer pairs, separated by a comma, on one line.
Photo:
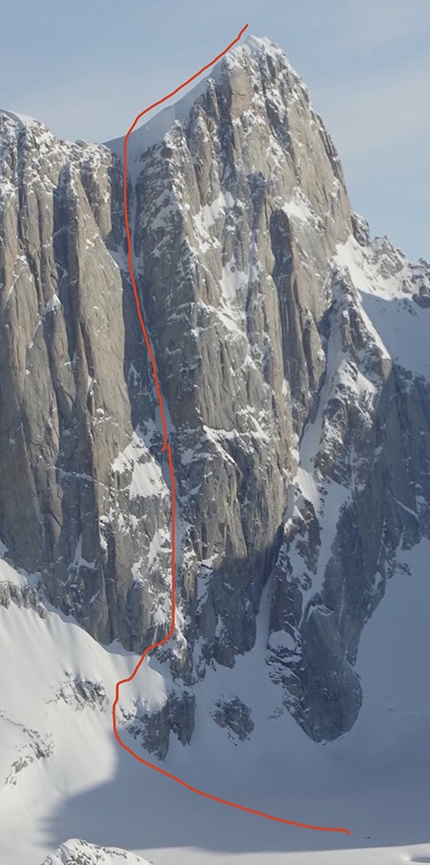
{"points": [[401, 324], [63, 775]]}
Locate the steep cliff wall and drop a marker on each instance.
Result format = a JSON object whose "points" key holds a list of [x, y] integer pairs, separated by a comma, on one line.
{"points": [[299, 425]]}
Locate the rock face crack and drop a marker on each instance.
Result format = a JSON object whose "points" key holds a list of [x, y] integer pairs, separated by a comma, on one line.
{"points": [[300, 440]]}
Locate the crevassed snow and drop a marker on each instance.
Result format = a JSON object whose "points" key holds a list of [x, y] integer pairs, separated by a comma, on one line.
{"points": [[375, 856], [9, 574]]}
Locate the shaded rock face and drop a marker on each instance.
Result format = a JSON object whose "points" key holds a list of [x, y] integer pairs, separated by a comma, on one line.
{"points": [[234, 715], [299, 437], [153, 727], [66, 385], [365, 473]]}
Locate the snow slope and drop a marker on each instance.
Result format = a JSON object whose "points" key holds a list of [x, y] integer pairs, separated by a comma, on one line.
{"points": [[386, 297], [64, 776], [153, 130], [22, 119]]}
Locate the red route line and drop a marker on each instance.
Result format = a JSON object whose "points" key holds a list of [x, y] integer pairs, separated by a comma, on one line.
{"points": [[167, 446]]}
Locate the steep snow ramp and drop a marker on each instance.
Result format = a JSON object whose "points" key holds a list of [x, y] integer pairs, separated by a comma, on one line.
{"points": [[153, 130]]}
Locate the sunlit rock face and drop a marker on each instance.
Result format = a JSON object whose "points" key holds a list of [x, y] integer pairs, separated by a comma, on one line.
{"points": [[298, 414]]}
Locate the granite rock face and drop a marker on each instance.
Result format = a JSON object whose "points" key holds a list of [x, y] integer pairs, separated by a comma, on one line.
{"points": [[68, 509], [299, 426]]}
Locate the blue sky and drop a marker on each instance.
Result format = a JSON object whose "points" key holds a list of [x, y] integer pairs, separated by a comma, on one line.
{"points": [[87, 67]]}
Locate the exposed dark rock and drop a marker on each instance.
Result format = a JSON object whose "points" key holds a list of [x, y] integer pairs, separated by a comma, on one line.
{"points": [[235, 715]]}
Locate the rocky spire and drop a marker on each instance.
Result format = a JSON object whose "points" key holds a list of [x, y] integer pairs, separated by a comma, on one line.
{"points": [[286, 409]]}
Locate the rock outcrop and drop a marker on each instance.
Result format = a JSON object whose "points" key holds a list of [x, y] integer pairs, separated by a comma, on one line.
{"points": [[299, 428]]}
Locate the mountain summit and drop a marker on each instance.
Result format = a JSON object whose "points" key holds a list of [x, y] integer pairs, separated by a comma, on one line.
{"points": [[292, 354]]}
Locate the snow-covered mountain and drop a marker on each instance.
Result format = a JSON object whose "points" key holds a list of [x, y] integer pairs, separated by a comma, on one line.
{"points": [[292, 353], [77, 852]]}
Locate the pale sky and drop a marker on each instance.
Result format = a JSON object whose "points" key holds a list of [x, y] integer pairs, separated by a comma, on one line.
{"points": [[87, 67]]}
